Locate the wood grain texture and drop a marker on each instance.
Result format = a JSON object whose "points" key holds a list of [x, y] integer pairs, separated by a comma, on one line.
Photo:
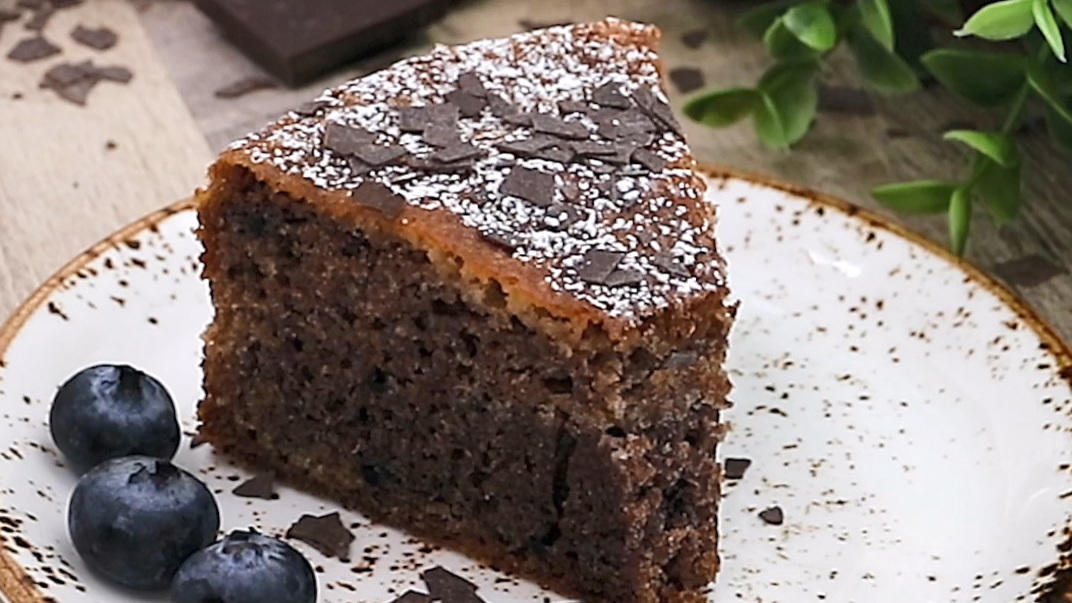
{"points": [[61, 188]]}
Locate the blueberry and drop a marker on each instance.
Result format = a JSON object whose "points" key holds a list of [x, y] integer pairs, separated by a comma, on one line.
{"points": [[107, 411], [245, 567], [134, 520]]}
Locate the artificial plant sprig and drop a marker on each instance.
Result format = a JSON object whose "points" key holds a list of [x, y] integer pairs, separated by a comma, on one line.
{"points": [[892, 47]]}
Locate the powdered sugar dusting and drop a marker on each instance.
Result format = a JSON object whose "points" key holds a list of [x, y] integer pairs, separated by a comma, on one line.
{"points": [[657, 221]]}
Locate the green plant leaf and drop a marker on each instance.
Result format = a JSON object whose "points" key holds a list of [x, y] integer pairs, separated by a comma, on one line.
{"points": [[913, 32], [916, 197], [1003, 20], [812, 24], [995, 145], [789, 103], [1047, 24], [946, 10], [1041, 79], [722, 107], [875, 16], [1060, 130], [1064, 9], [985, 78], [999, 188], [882, 69], [784, 44], [757, 20], [959, 220]]}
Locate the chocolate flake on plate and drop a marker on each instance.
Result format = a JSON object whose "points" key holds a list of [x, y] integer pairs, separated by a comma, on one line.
{"points": [[259, 486], [531, 185], [40, 18], [378, 155], [378, 196], [114, 73], [735, 468], [344, 139], [412, 596], [32, 49], [244, 86], [772, 516], [440, 135], [416, 119], [650, 160], [100, 38], [326, 534], [449, 587], [687, 79], [556, 126], [598, 264], [197, 440]]}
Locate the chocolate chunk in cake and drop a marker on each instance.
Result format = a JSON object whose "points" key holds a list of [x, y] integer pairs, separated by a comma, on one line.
{"points": [[477, 295]]}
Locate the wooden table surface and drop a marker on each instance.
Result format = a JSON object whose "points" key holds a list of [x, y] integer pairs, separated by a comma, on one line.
{"points": [[61, 188]]}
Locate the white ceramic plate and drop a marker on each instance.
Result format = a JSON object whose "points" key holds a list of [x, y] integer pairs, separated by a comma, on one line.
{"points": [[908, 416]]}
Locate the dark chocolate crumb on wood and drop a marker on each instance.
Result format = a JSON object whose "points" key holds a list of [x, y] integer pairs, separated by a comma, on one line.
{"points": [[1028, 271], [33, 49], [40, 18], [687, 79], [245, 86], [772, 516], [736, 468], [325, 533], [694, 38], [100, 38]]}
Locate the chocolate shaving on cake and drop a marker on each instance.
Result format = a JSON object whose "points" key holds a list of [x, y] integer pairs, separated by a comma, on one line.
{"points": [[556, 126], [309, 109], [519, 119], [345, 139], [449, 587], [468, 104], [623, 153], [259, 486], [100, 38], [598, 264], [649, 160], [557, 153], [378, 196], [504, 240], [500, 107], [412, 596], [326, 534], [735, 468], [377, 155], [561, 216], [527, 146], [679, 360], [244, 86], [609, 95], [621, 278], [590, 148], [772, 516], [440, 135], [458, 152], [531, 185], [670, 264], [416, 119], [33, 49], [572, 106], [469, 82], [427, 164]]}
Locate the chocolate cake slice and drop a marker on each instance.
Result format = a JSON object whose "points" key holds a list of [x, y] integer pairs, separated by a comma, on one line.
{"points": [[477, 295]]}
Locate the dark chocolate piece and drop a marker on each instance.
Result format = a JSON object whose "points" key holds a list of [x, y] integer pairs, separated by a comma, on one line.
{"points": [[309, 109], [670, 264], [297, 41], [570, 106], [412, 596], [378, 155], [345, 139], [64, 74], [621, 278], [438, 135], [680, 360], [360, 168], [7, 15], [325, 534], [449, 587], [1028, 271], [609, 95], [847, 100], [589, 148], [197, 440], [735, 468], [416, 119], [30, 4], [40, 18], [427, 164], [500, 107], [531, 185], [648, 159], [32, 49], [531, 24], [244, 86], [65, 3], [379, 196], [469, 82], [507, 241], [623, 153], [469, 105], [100, 38], [114, 73], [259, 486], [772, 516], [527, 146], [694, 38], [72, 81], [458, 152], [687, 79], [518, 119], [557, 153], [561, 216], [556, 126], [598, 265]]}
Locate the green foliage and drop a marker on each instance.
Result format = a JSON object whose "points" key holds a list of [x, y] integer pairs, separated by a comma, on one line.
{"points": [[891, 43]]}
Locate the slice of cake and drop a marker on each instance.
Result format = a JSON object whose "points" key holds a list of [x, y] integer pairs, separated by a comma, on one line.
{"points": [[477, 295]]}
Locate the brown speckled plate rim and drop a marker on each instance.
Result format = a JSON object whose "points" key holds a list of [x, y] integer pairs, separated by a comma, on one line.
{"points": [[20, 588]]}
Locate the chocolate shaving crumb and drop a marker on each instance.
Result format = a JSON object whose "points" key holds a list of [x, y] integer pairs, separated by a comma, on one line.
{"points": [[679, 360], [378, 196], [32, 49], [449, 587], [468, 104], [623, 154], [7, 15], [360, 168], [843, 99], [687, 79], [531, 24], [557, 153], [526, 147], [556, 126], [561, 216], [694, 38], [589, 148], [610, 95], [670, 264], [598, 264], [30, 4], [438, 135], [197, 440], [344, 139], [650, 160], [571, 106], [310, 108], [500, 107], [469, 82], [259, 486], [735, 468], [518, 119], [40, 18], [416, 119], [458, 152], [427, 164], [114, 73], [505, 240], [621, 278], [244, 86], [326, 534], [531, 185], [100, 38], [412, 596], [772, 516], [378, 155]]}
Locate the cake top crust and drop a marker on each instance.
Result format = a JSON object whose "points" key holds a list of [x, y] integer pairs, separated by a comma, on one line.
{"points": [[556, 147]]}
